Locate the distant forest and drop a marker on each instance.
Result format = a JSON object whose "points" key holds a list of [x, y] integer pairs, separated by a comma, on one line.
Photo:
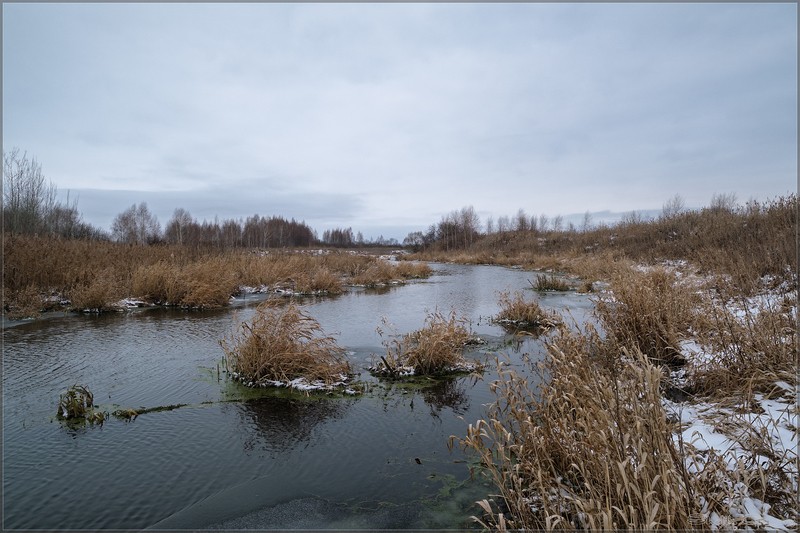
{"points": [[30, 208]]}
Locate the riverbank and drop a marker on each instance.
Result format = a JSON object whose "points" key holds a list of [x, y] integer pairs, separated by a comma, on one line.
{"points": [[44, 274], [682, 414]]}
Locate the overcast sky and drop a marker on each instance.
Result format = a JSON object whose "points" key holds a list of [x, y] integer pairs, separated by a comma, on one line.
{"points": [[384, 117]]}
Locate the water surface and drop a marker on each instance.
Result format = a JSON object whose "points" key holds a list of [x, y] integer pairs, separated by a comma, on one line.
{"points": [[235, 458]]}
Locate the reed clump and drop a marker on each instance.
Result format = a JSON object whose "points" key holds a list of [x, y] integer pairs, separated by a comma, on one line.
{"points": [[550, 283], [409, 270], [519, 313], [436, 348], [750, 346], [650, 312], [592, 449], [77, 404], [283, 343]]}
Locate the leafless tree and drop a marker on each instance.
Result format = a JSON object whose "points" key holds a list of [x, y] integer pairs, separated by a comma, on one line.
{"points": [[28, 199], [177, 229], [136, 225], [672, 207]]}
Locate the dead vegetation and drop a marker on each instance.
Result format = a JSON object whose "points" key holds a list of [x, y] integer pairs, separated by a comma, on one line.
{"points": [[650, 312], [94, 275], [76, 404], [436, 348], [549, 282], [595, 447], [283, 343], [591, 450], [520, 314]]}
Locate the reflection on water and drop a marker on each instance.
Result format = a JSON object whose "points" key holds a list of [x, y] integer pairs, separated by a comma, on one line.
{"points": [[276, 424], [447, 393]]}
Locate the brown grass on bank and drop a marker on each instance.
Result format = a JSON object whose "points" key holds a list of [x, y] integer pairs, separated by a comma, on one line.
{"points": [[283, 343], [591, 450], [745, 242], [434, 349], [751, 345], [517, 312], [650, 312], [94, 275]]}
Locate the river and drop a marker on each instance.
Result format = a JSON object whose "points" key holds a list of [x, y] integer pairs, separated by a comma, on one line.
{"points": [[233, 458]]}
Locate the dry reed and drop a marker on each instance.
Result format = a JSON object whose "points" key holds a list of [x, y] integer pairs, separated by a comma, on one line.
{"points": [[549, 283], [518, 313], [649, 312], [436, 348], [591, 450], [283, 343]]}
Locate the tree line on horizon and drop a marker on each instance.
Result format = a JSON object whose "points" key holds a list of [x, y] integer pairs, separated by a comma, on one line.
{"points": [[30, 208]]}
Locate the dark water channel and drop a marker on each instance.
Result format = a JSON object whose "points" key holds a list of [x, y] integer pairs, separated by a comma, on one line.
{"points": [[233, 458]]}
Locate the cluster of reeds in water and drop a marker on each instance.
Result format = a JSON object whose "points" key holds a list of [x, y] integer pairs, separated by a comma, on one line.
{"points": [[281, 343], [437, 347], [594, 448], [517, 312], [76, 404]]}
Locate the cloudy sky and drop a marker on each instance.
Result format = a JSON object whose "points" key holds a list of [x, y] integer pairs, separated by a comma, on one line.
{"points": [[384, 117]]}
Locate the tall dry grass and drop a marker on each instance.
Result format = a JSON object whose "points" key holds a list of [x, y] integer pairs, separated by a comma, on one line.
{"points": [[283, 343], [436, 348], [649, 312], [749, 347], [519, 313], [591, 450], [94, 275]]}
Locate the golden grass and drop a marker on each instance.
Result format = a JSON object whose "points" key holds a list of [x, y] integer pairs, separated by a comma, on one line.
{"points": [[94, 275], [518, 313], [752, 347], [436, 348], [549, 283], [591, 450], [283, 343], [650, 312]]}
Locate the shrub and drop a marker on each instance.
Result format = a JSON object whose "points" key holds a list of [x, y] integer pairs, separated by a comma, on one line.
{"points": [[283, 343]]}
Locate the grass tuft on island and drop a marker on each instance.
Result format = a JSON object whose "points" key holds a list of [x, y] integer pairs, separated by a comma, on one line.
{"points": [[284, 346], [517, 313], [435, 349]]}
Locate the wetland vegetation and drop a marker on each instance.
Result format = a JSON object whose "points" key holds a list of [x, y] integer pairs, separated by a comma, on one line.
{"points": [[670, 406]]}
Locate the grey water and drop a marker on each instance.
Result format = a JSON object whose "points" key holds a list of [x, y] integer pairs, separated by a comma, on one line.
{"points": [[234, 458]]}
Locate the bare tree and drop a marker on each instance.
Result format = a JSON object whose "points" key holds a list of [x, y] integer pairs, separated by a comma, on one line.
{"points": [[136, 225], [522, 221], [587, 222], [543, 221], [558, 223], [723, 202], [177, 229], [672, 207], [28, 199]]}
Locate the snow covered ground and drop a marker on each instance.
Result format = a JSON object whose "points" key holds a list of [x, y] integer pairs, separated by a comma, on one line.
{"points": [[755, 437]]}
